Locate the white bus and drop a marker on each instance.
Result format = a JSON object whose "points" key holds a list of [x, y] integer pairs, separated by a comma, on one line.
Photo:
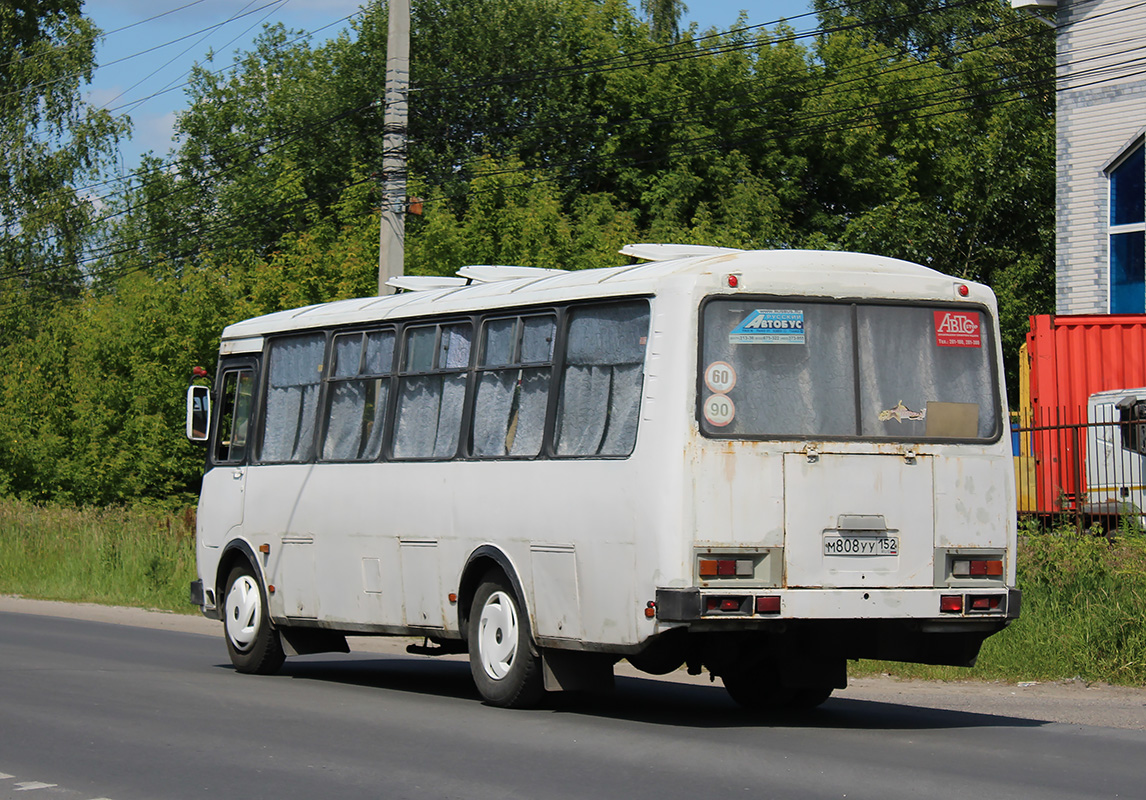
{"points": [[757, 463]]}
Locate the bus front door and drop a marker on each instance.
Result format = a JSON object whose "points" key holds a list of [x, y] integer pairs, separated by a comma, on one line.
{"points": [[220, 511]]}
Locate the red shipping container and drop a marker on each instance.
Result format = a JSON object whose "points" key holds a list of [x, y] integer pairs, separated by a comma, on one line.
{"points": [[1071, 358]]}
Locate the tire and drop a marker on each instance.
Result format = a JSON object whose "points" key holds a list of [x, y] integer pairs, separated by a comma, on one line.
{"points": [[761, 690], [504, 668], [254, 646]]}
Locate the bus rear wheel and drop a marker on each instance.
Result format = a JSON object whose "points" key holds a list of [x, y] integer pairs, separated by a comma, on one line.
{"points": [[761, 690], [504, 668], [254, 646]]}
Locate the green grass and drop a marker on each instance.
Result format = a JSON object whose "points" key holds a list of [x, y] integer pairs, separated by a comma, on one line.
{"points": [[1083, 616], [134, 557]]}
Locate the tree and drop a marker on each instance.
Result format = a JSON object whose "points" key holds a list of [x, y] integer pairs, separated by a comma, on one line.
{"points": [[664, 18], [53, 143], [925, 135]]}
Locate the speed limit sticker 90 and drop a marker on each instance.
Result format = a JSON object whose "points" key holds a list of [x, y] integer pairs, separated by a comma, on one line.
{"points": [[719, 377], [719, 410]]}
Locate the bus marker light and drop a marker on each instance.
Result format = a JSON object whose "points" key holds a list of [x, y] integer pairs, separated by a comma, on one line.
{"points": [[264, 548], [733, 281], [270, 588], [951, 603], [452, 597], [727, 568], [977, 568], [964, 290], [726, 605], [985, 603], [650, 609], [768, 605]]}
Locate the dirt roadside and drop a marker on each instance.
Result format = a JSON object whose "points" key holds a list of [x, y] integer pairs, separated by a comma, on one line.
{"points": [[1069, 702]]}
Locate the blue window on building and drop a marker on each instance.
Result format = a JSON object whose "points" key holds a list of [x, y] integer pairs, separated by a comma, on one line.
{"points": [[1128, 233]]}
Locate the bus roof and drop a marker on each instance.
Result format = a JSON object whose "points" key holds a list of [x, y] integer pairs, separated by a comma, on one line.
{"points": [[822, 273]]}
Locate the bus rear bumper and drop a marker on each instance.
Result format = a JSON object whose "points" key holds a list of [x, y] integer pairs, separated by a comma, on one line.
{"points": [[939, 604]]}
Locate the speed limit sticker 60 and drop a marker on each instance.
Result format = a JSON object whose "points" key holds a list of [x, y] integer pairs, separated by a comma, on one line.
{"points": [[719, 410], [719, 377]]}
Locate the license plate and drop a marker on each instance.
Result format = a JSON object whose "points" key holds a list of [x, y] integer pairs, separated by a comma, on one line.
{"points": [[835, 545]]}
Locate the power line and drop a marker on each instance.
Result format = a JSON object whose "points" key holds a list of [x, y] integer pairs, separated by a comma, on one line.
{"points": [[263, 148], [855, 117], [671, 115], [674, 52], [582, 162], [235, 64], [124, 180], [89, 39], [70, 76], [273, 6]]}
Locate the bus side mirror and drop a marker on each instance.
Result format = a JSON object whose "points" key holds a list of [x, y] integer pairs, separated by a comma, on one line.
{"points": [[198, 413], [1132, 423]]}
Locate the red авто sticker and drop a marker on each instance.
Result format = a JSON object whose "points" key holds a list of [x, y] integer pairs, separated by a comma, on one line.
{"points": [[957, 329]]}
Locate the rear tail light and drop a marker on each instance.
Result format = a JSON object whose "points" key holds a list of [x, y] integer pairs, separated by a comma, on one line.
{"points": [[727, 568], [990, 603], [768, 605], [951, 603], [739, 604], [977, 568], [957, 603], [719, 604]]}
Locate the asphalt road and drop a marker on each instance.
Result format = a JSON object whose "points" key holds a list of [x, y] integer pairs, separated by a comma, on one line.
{"points": [[122, 704]]}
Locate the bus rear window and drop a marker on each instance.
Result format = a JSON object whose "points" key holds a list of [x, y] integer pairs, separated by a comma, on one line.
{"points": [[792, 369]]}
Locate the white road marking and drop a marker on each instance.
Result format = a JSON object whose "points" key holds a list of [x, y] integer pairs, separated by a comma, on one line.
{"points": [[31, 786]]}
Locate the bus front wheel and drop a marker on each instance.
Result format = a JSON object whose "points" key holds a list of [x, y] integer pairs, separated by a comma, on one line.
{"points": [[254, 646], [505, 670]]}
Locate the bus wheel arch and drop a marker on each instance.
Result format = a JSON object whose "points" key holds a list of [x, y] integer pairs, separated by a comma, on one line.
{"points": [[481, 563], [235, 553]]}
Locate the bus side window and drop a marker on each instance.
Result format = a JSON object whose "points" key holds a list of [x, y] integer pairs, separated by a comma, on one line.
{"points": [[432, 390], [357, 397], [513, 386], [234, 416], [293, 378], [601, 384]]}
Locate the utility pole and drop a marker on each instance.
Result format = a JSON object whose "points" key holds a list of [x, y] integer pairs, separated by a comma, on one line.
{"points": [[392, 234]]}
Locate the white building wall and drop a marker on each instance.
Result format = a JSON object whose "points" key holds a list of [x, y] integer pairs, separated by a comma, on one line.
{"points": [[1101, 81]]}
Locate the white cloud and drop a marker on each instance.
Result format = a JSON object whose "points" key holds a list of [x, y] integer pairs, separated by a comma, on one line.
{"points": [[153, 132]]}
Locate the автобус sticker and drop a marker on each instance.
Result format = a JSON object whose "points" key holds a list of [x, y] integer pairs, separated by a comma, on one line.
{"points": [[770, 326]]}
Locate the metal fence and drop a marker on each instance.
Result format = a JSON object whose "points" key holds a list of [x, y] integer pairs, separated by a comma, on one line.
{"points": [[1071, 468]]}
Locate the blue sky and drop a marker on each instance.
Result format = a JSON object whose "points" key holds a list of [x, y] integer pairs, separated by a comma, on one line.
{"points": [[144, 65]]}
